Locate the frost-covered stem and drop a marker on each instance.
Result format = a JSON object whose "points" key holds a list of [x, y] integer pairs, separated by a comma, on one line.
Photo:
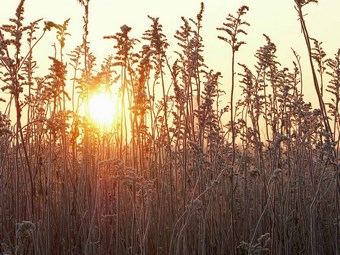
{"points": [[315, 79]]}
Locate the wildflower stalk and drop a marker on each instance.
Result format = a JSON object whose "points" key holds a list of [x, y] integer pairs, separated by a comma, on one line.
{"points": [[233, 28], [299, 5]]}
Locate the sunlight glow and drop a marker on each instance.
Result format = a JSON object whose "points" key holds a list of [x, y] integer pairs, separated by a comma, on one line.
{"points": [[102, 108]]}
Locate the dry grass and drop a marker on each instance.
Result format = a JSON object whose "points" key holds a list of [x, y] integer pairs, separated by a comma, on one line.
{"points": [[181, 172]]}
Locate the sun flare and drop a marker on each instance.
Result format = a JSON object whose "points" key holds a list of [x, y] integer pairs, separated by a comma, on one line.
{"points": [[102, 108]]}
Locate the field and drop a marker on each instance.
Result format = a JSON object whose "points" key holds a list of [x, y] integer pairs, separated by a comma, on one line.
{"points": [[177, 170]]}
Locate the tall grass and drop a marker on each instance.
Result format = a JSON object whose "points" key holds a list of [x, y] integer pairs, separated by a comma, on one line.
{"points": [[180, 172]]}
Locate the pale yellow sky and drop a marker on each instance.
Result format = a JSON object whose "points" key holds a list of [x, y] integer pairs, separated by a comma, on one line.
{"points": [[276, 18]]}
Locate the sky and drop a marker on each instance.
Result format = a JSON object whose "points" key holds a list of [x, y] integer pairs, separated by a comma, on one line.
{"points": [[276, 18]]}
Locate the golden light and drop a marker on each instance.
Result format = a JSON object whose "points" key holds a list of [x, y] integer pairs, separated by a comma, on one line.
{"points": [[102, 108]]}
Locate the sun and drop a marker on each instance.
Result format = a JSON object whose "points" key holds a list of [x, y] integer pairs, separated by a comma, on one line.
{"points": [[102, 108]]}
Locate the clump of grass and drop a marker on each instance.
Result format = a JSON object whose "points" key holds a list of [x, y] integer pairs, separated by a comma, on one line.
{"points": [[260, 248], [25, 237]]}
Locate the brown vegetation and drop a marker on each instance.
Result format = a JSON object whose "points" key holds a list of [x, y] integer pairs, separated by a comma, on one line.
{"points": [[181, 172]]}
